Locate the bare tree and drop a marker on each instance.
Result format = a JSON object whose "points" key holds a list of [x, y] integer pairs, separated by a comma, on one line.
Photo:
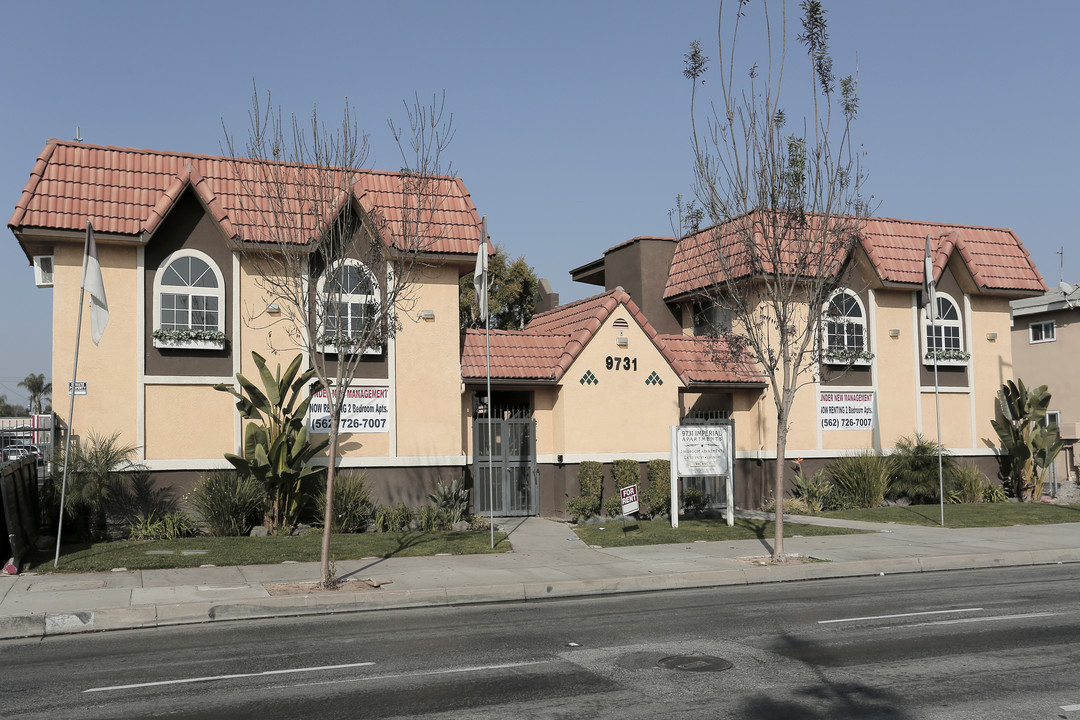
{"points": [[340, 256], [785, 203]]}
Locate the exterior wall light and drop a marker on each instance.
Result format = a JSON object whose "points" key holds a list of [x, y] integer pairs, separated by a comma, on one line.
{"points": [[273, 308], [894, 333], [991, 336], [427, 314], [622, 341]]}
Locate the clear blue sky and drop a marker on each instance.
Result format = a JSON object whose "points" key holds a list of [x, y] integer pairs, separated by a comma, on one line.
{"points": [[572, 117]]}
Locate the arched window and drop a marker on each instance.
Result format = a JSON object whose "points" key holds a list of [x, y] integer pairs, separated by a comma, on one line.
{"points": [[350, 308], [944, 338], [843, 325], [189, 302]]}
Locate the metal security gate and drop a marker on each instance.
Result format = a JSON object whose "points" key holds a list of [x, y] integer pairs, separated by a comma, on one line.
{"points": [[507, 465]]}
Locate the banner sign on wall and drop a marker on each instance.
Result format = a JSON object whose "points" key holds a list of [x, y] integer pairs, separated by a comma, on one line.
{"points": [[846, 410], [366, 410]]}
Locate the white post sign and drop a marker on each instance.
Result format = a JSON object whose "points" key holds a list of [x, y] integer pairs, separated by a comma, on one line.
{"points": [[846, 410], [629, 499], [366, 410], [702, 451]]}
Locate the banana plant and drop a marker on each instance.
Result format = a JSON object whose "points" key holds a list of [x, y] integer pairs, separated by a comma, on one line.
{"points": [[1029, 442], [277, 449]]}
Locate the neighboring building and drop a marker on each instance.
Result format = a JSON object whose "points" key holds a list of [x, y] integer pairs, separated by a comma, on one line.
{"points": [[1045, 346]]}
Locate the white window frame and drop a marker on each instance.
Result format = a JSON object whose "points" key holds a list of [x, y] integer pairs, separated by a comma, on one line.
{"points": [[850, 325], [374, 297], [1046, 337], [942, 325], [217, 292]]}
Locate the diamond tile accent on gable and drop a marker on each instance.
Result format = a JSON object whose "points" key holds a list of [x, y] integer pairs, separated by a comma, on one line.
{"points": [[589, 379], [653, 379]]}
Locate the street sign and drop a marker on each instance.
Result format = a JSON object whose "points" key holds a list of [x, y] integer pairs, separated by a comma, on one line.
{"points": [[629, 499], [77, 388]]}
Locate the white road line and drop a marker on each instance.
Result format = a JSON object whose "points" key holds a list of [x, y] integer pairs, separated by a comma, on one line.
{"points": [[981, 619], [900, 615], [1070, 708], [210, 678], [448, 671]]}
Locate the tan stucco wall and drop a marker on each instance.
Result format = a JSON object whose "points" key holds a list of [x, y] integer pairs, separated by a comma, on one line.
{"points": [[429, 388], [109, 369], [620, 413], [188, 421]]}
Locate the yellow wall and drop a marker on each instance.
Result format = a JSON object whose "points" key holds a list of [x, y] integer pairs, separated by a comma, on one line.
{"points": [[188, 421], [620, 413], [109, 369], [429, 368]]}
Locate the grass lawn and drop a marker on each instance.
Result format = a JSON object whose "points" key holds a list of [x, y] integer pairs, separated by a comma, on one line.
{"points": [[966, 516], [659, 532], [149, 554]]}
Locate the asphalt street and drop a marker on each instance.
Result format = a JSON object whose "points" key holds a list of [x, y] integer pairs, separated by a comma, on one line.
{"points": [[996, 643]]}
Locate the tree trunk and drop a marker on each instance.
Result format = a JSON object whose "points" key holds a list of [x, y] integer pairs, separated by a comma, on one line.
{"points": [[326, 580], [778, 489]]}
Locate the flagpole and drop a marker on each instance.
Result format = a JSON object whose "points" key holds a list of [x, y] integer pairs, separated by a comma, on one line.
{"points": [[931, 303], [71, 403], [487, 342]]}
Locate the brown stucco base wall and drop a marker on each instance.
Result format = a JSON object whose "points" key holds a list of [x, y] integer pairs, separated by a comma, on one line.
{"points": [[389, 486], [754, 480]]}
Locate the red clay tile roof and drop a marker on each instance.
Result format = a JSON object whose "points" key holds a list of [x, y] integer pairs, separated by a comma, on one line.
{"points": [[709, 360], [550, 343], [995, 257], [126, 191]]}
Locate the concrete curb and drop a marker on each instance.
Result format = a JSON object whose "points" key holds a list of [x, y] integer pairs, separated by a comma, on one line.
{"points": [[47, 624]]}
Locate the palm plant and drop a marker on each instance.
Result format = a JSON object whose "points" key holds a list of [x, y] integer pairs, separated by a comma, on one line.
{"points": [[95, 473], [37, 388], [277, 450], [913, 469]]}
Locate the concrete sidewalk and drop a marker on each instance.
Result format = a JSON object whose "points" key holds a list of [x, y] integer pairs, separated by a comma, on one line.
{"points": [[548, 561]]}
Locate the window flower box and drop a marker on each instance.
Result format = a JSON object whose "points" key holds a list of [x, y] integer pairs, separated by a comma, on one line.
{"points": [[334, 344], [845, 356], [189, 339], [946, 357]]}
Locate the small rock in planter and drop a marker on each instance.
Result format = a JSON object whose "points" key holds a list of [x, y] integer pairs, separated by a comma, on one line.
{"points": [[300, 529], [460, 526], [259, 531]]}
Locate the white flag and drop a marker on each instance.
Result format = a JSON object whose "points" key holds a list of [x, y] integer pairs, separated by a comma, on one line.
{"points": [[92, 283], [928, 282], [480, 274]]}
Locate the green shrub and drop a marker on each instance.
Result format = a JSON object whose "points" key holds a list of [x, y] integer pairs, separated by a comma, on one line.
{"points": [[352, 503], [613, 506], [913, 469], [479, 522], [133, 498], [579, 508], [229, 503], [170, 527], [433, 518], [626, 472], [993, 493], [591, 483], [814, 491], [453, 499], [97, 469], [970, 485], [792, 506], [859, 480], [657, 496], [393, 519], [695, 501]]}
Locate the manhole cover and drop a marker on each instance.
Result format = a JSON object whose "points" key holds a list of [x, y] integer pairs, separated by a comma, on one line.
{"points": [[694, 663]]}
